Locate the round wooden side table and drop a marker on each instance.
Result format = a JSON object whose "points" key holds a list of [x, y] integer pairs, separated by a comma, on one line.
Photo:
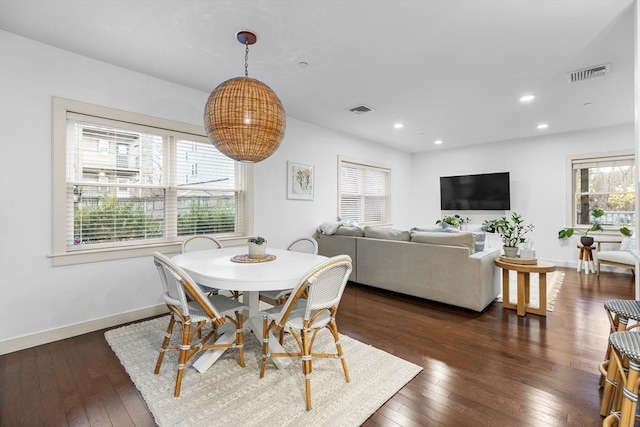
{"points": [[585, 258], [524, 271]]}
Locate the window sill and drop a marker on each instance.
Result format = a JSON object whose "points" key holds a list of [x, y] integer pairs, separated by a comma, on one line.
{"points": [[111, 254]]}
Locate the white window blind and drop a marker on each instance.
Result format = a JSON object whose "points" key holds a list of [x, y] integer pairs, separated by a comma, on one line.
{"points": [[364, 192], [130, 184]]}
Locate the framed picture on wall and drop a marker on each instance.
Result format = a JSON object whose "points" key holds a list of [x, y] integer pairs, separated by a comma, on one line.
{"points": [[299, 181]]}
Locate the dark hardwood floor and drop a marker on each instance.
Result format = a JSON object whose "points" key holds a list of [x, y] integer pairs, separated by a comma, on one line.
{"points": [[488, 369]]}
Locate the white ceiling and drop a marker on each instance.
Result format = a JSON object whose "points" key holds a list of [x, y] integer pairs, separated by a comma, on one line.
{"points": [[450, 70]]}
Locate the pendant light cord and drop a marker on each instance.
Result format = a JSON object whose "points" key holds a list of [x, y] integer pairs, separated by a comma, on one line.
{"points": [[246, 59]]}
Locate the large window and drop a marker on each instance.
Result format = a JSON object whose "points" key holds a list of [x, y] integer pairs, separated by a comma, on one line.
{"points": [[607, 182], [364, 192], [131, 182]]}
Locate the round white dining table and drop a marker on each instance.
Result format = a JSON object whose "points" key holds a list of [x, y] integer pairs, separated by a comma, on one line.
{"points": [[215, 268]]}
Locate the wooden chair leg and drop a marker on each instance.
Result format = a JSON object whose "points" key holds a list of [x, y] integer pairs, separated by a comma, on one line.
{"points": [[630, 396], [336, 338], [265, 346], [165, 344], [240, 338], [182, 358], [306, 366]]}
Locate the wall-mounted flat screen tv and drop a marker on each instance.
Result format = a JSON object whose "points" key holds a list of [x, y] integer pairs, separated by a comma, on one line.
{"points": [[488, 191]]}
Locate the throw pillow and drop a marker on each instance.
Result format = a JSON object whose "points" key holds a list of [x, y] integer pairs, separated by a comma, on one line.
{"points": [[435, 229], [349, 231], [479, 238]]}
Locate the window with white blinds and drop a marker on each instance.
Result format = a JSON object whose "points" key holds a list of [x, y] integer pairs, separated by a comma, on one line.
{"points": [[607, 182], [137, 184], [364, 192]]}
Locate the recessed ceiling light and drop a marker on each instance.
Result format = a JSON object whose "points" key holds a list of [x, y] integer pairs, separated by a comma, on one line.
{"points": [[542, 126], [398, 125], [303, 64], [527, 98], [438, 142]]}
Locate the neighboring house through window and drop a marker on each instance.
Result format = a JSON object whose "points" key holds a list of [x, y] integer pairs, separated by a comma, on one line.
{"points": [[364, 192], [603, 181], [134, 184]]}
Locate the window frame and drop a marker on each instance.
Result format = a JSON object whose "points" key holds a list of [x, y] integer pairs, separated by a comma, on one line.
{"points": [[364, 164], [570, 210], [60, 254]]}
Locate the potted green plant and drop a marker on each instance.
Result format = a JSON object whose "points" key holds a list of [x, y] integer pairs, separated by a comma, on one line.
{"points": [[454, 221], [257, 247], [585, 239], [512, 231], [625, 231], [490, 225]]}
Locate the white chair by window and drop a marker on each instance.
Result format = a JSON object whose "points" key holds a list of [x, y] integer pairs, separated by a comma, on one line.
{"points": [[201, 243], [191, 309], [302, 244], [311, 307], [621, 257]]}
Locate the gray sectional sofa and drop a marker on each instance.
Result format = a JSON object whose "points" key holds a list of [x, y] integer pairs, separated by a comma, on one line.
{"points": [[438, 266]]}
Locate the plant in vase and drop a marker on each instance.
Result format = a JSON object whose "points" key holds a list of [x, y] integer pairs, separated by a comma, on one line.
{"points": [[585, 239], [455, 221], [257, 247], [490, 225], [512, 231]]}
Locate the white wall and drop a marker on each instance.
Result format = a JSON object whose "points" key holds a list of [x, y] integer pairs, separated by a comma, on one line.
{"points": [[538, 175], [37, 299]]}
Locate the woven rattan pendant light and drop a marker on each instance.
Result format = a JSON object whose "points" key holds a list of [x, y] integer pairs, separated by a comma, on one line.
{"points": [[243, 117]]}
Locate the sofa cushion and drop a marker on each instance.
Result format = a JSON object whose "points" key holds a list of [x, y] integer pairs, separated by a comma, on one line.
{"points": [[628, 243], [349, 231], [463, 239], [387, 233]]}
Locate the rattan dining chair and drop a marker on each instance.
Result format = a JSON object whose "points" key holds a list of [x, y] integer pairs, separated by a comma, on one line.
{"points": [[307, 245], [191, 309], [311, 307], [201, 243]]}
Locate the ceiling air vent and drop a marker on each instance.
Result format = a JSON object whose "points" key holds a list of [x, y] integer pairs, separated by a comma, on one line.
{"points": [[360, 109], [587, 73]]}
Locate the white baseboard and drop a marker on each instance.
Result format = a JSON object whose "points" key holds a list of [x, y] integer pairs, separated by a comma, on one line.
{"points": [[32, 340]]}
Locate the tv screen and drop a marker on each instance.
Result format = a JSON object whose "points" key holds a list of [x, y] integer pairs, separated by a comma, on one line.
{"points": [[489, 191]]}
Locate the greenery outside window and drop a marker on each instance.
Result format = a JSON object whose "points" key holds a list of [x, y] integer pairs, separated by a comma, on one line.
{"points": [[364, 192], [604, 181], [131, 184]]}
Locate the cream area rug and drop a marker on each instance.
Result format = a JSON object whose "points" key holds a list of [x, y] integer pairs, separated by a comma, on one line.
{"points": [[228, 395], [554, 283]]}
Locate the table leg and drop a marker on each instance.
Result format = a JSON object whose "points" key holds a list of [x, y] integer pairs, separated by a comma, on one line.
{"points": [[505, 290], [580, 260], [591, 264], [542, 290], [586, 263], [522, 278], [227, 335]]}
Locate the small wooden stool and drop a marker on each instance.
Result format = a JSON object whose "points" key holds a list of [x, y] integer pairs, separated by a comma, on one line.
{"points": [[586, 257]]}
